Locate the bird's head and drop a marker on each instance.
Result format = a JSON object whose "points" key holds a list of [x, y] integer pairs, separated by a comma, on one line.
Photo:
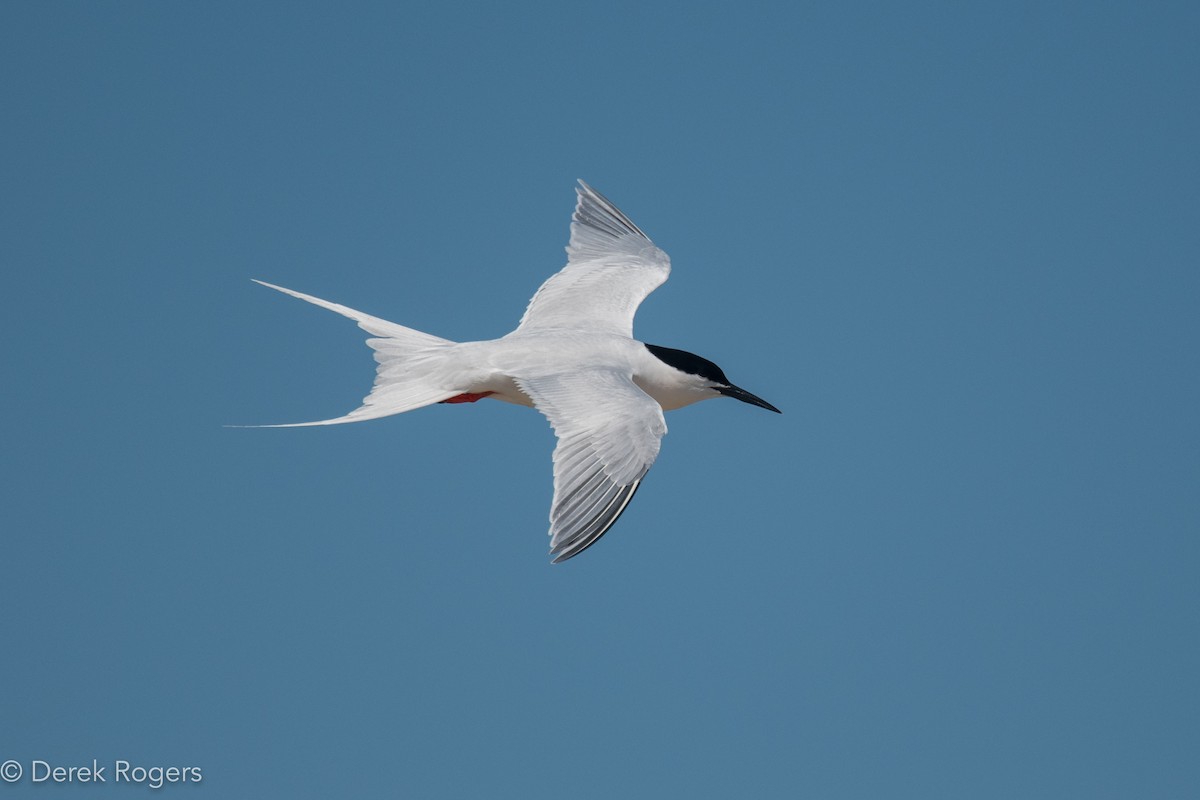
{"points": [[709, 374]]}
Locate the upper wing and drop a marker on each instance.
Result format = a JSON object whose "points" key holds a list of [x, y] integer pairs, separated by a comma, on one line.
{"points": [[611, 267], [609, 432]]}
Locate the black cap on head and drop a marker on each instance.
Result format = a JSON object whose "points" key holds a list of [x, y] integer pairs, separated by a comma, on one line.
{"points": [[693, 364], [690, 363]]}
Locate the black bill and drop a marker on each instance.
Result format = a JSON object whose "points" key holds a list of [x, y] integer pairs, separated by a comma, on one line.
{"points": [[741, 394]]}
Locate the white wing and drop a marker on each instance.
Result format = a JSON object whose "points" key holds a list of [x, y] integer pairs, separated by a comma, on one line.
{"points": [[608, 432], [611, 267]]}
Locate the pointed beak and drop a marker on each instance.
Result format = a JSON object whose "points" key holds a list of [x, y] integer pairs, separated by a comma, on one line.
{"points": [[741, 394]]}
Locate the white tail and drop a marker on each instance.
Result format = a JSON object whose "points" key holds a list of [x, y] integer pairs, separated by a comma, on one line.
{"points": [[409, 374]]}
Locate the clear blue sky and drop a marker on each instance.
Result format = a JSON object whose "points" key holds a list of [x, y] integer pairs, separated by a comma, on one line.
{"points": [[957, 244]]}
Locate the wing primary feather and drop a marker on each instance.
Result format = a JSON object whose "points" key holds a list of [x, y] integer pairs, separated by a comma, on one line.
{"points": [[598, 517], [608, 433], [626, 496], [580, 501], [598, 211], [577, 521], [608, 257]]}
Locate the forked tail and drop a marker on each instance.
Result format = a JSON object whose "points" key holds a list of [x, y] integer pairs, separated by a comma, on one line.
{"points": [[411, 371]]}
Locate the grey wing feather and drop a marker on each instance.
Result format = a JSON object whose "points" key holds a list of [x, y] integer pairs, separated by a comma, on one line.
{"points": [[600, 229], [611, 267], [609, 433]]}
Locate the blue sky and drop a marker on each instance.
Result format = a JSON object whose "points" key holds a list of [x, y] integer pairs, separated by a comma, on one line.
{"points": [[956, 244]]}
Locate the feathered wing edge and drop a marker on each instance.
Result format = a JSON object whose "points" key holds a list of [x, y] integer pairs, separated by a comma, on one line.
{"points": [[611, 267], [599, 228], [609, 433], [578, 522]]}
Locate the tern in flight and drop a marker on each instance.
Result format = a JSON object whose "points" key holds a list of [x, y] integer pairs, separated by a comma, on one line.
{"points": [[573, 358]]}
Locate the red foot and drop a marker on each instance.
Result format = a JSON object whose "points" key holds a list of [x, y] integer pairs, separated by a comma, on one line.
{"points": [[469, 397]]}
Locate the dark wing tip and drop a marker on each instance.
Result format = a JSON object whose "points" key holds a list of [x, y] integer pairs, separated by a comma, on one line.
{"points": [[594, 210], [591, 532]]}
